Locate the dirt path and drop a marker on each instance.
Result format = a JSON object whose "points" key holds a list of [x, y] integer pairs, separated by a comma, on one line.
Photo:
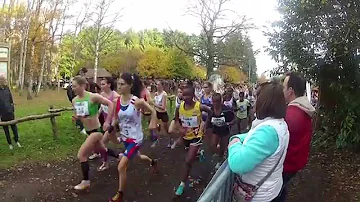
{"points": [[330, 176], [54, 182]]}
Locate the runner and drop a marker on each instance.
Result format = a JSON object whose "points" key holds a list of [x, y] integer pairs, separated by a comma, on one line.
{"points": [[172, 127], [243, 112], [220, 122], [188, 118], [206, 99], [198, 91], [229, 99], [160, 104], [86, 106], [108, 91], [128, 117]]}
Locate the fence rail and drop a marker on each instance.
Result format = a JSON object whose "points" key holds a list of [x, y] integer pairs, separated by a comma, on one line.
{"points": [[51, 115], [219, 188]]}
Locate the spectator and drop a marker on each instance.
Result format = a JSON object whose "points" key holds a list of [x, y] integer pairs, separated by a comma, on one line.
{"points": [[298, 117], [7, 112], [257, 157]]}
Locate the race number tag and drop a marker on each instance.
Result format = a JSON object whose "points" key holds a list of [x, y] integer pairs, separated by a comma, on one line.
{"points": [[242, 108], [105, 108], [190, 122], [82, 108], [218, 121]]}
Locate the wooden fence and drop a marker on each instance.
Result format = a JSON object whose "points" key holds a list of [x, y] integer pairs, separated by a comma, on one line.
{"points": [[56, 112], [51, 115]]}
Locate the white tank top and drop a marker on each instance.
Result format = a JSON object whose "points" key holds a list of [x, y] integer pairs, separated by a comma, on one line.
{"points": [[130, 121], [158, 98], [177, 102]]}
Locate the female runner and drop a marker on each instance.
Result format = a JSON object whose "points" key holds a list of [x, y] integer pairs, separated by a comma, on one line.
{"points": [[160, 104], [86, 107], [108, 91], [220, 121], [128, 117], [188, 119]]}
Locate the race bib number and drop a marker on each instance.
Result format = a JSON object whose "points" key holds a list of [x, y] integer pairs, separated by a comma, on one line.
{"points": [[242, 108], [105, 109], [82, 108], [125, 131], [218, 121], [190, 122]]}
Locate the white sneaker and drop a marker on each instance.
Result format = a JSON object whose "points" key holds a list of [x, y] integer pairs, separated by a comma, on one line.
{"points": [[94, 156], [155, 143], [18, 144], [83, 185], [83, 131], [11, 147]]}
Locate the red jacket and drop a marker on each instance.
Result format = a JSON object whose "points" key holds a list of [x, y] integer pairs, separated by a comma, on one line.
{"points": [[300, 129]]}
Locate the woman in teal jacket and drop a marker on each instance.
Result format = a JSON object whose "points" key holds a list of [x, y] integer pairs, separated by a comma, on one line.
{"points": [[257, 157]]}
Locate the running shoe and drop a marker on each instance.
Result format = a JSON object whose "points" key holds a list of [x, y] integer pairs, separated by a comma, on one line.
{"points": [[83, 185], [155, 143], [170, 143], [18, 144], [11, 147], [180, 190], [117, 198], [83, 131], [94, 156], [103, 167]]}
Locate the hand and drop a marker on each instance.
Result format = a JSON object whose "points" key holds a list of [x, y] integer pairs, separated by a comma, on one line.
{"points": [[106, 126], [233, 141]]}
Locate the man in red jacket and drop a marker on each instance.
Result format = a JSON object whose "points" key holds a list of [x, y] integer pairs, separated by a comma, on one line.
{"points": [[298, 117]]}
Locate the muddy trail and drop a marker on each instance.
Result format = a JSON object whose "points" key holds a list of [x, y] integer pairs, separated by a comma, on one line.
{"points": [[330, 176]]}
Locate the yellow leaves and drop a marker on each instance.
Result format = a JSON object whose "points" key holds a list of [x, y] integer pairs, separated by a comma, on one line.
{"points": [[153, 64], [232, 74], [199, 72]]}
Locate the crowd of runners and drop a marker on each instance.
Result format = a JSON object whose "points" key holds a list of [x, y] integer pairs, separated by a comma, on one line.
{"points": [[114, 112]]}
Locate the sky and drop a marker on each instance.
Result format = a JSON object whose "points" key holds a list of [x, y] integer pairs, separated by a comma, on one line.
{"points": [[164, 14]]}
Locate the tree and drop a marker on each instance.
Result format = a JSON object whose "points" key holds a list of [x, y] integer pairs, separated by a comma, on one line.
{"points": [[199, 72], [321, 39], [214, 28], [152, 64], [102, 23], [179, 65], [232, 74]]}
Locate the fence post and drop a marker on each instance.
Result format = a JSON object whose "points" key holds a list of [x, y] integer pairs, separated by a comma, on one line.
{"points": [[53, 124]]}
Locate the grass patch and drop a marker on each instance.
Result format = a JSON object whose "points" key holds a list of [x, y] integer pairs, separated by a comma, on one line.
{"points": [[36, 136]]}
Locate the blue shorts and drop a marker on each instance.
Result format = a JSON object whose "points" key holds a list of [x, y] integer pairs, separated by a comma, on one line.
{"points": [[131, 148]]}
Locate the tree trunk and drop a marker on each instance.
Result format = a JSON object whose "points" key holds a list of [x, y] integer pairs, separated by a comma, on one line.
{"points": [[41, 72], [97, 44]]}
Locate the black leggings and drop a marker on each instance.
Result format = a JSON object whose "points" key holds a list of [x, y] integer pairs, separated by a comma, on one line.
{"points": [[9, 117]]}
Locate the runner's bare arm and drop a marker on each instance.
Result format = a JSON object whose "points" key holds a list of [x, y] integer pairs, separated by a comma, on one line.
{"points": [[182, 130]]}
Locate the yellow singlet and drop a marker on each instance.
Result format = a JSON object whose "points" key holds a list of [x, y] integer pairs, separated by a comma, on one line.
{"points": [[191, 121]]}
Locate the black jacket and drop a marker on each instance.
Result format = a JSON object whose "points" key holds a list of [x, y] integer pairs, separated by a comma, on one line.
{"points": [[70, 93], [6, 101]]}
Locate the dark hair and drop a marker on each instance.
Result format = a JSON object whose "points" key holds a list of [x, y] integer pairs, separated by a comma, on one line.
{"points": [[82, 70], [209, 84], [270, 101], [134, 80], [297, 83], [189, 85], [216, 96], [110, 80], [93, 87], [80, 80]]}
